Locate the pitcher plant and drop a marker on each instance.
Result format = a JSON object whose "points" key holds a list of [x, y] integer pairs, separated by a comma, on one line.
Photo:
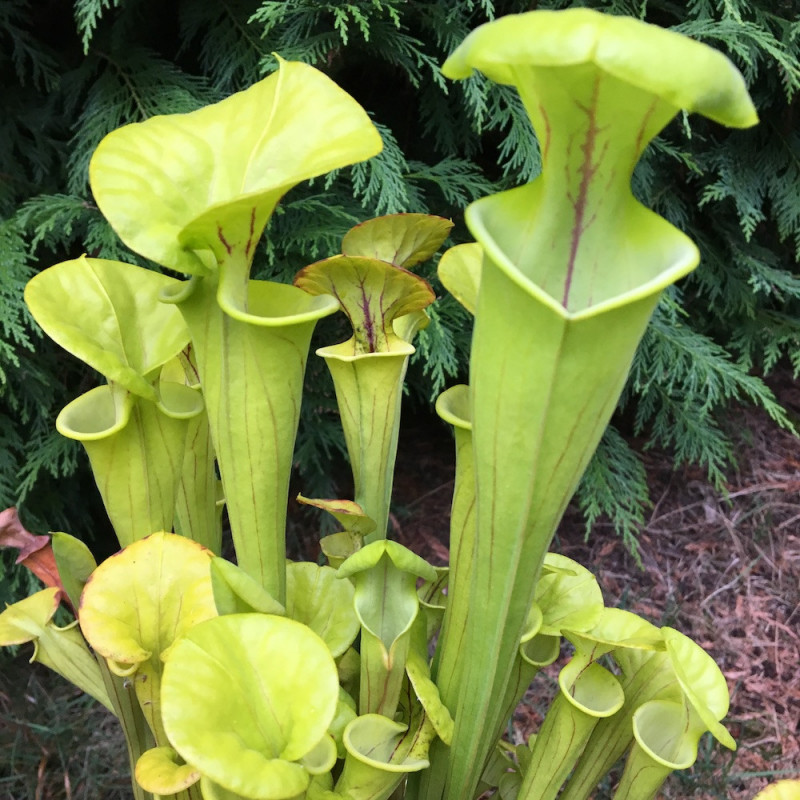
{"points": [[573, 266], [376, 675]]}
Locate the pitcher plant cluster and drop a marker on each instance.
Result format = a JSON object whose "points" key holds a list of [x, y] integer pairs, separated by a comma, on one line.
{"points": [[376, 675]]}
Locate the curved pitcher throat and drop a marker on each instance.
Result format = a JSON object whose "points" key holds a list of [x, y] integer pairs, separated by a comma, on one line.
{"points": [[369, 390], [576, 236], [251, 353], [573, 268]]}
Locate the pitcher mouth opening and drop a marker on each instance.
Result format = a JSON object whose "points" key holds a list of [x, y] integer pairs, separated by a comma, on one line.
{"points": [[659, 730], [94, 415], [275, 305], [669, 252]]}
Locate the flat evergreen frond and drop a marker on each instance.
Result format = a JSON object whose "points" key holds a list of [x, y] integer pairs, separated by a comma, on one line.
{"points": [[748, 198], [379, 184], [46, 451], [771, 281], [53, 218], [766, 340], [630, 8], [476, 91], [231, 53], [693, 435], [442, 353], [751, 44], [723, 285], [15, 323], [31, 452], [518, 155], [88, 14], [346, 15], [458, 181], [783, 191], [315, 32], [445, 123], [31, 390], [70, 225], [683, 380], [318, 437], [615, 486], [302, 17], [32, 131], [446, 24], [315, 450], [33, 62], [322, 33], [701, 368], [401, 50], [750, 301], [31, 142], [271, 14], [305, 228], [735, 181], [315, 50], [654, 180], [123, 88], [664, 148], [9, 459], [759, 173]]}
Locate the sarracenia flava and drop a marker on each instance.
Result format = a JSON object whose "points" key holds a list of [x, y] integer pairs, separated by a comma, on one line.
{"points": [[377, 675]]}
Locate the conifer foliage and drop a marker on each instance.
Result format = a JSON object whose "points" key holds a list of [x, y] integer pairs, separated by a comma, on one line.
{"points": [[75, 71]]}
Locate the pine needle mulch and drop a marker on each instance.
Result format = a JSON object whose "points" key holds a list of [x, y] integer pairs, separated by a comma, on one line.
{"points": [[723, 567]]}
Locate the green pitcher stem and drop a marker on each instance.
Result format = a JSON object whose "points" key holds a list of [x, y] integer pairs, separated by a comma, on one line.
{"points": [[138, 738], [147, 686], [573, 267], [136, 452], [380, 685], [545, 649], [589, 693], [612, 736], [453, 407], [380, 754], [666, 740], [369, 390], [192, 793], [523, 491], [196, 512], [64, 651], [557, 746], [643, 776], [251, 369]]}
